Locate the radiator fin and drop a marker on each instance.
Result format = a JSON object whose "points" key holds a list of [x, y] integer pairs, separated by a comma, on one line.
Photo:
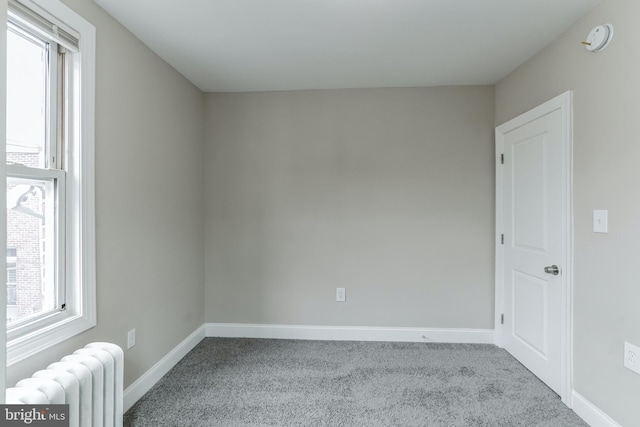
{"points": [[90, 380]]}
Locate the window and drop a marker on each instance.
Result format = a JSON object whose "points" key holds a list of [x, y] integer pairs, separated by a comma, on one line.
{"points": [[50, 203]]}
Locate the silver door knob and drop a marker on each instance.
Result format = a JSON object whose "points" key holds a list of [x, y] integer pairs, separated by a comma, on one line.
{"points": [[552, 269]]}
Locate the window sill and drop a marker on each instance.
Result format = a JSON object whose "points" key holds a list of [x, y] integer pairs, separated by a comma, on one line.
{"points": [[28, 345]]}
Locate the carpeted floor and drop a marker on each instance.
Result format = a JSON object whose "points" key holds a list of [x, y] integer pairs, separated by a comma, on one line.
{"points": [[259, 382]]}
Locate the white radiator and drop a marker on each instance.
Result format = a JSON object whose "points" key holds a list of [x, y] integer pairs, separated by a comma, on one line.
{"points": [[90, 380]]}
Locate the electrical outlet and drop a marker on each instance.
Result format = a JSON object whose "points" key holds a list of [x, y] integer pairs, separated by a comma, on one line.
{"points": [[632, 357], [341, 295], [131, 338]]}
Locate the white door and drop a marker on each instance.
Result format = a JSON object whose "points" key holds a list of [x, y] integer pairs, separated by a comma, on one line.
{"points": [[534, 253]]}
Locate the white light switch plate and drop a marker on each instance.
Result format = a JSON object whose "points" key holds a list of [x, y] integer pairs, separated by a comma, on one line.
{"points": [[131, 338], [600, 221]]}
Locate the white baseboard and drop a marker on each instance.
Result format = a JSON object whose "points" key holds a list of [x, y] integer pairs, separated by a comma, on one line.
{"points": [[590, 413], [143, 384], [350, 333]]}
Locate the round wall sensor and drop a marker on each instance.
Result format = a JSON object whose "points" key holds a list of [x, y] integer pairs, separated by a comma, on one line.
{"points": [[599, 38]]}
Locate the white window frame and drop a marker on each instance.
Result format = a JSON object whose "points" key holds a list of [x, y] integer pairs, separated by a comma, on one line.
{"points": [[79, 201]]}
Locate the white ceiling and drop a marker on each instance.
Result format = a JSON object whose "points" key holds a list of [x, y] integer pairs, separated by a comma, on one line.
{"points": [[266, 45]]}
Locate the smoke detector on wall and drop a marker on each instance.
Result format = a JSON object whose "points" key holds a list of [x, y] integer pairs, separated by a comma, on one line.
{"points": [[599, 38]]}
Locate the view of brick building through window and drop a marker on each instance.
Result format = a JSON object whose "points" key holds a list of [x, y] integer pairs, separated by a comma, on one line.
{"points": [[25, 244]]}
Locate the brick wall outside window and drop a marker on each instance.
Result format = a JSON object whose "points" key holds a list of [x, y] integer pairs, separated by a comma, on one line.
{"points": [[24, 234]]}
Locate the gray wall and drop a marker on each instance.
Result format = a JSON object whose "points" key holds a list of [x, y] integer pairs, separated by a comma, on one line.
{"points": [[606, 176], [149, 209], [386, 192]]}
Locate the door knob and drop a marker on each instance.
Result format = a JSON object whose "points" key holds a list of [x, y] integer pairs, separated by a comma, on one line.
{"points": [[552, 269]]}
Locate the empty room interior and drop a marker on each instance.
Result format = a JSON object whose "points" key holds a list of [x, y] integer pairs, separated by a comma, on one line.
{"points": [[340, 172]]}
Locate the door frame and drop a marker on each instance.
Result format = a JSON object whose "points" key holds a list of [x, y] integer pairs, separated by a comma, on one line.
{"points": [[564, 103]]}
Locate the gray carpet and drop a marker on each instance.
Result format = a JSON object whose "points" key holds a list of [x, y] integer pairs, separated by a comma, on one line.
{"points": [[258, 382]]}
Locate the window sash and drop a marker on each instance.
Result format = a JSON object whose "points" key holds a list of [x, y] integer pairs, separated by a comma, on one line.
{"points": [[55, 95], [55, 263]]}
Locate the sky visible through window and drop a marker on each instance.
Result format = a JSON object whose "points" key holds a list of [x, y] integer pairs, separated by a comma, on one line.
{"points": [[26, 95]]}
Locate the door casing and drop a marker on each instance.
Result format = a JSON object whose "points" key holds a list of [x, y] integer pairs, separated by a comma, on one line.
{"points": [[563, 102]]}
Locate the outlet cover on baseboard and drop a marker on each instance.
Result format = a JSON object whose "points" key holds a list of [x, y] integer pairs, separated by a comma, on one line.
{"points": [[632, 357]]}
